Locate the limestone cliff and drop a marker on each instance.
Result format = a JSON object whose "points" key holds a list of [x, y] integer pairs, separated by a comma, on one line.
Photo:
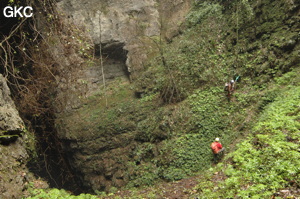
{"points": [[124, 26], [13, 155], [107, 147], [104, 145], [125, 30]]}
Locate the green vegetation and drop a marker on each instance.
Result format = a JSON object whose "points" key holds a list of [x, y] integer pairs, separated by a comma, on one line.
{"points": [[56, 194], [268, 160], [170, 128], [203, 10]]}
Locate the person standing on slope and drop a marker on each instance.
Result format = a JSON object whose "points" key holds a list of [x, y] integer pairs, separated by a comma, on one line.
{"points": [[217, 149], [229, 88]]}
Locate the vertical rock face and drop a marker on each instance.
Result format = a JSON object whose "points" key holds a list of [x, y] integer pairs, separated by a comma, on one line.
{"points": [[117, 18], [126, 24], [126, 30], [13, 154], [9, 116]]}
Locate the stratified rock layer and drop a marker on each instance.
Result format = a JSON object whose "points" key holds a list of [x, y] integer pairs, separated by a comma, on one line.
{"points": [[13, 155], [127, 22], [127, 31]]}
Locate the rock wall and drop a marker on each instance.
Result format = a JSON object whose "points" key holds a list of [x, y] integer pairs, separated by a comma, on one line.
{"points": [[13, 155], [125, 29], [127, 24]]}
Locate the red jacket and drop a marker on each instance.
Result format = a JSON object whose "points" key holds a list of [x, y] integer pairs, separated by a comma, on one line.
{"points": [[216, 147]]}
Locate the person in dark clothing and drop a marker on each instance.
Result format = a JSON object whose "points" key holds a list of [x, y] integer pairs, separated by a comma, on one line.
{"points": [[229, 88]]}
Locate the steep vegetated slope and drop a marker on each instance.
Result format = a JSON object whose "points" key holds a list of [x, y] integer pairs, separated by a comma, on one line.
{"points": [[267, 162], [256, 40], [264, 165], [159, 128]]}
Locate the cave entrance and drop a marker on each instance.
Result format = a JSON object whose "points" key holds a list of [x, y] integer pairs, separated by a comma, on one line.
{"points": [[51, 163], [114, 60]]}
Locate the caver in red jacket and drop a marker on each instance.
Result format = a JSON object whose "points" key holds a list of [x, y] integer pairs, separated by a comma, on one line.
{"points": [[216, 147]]}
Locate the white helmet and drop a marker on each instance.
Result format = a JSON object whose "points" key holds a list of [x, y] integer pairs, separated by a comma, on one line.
{"points": [[217, 139], [232, 81]]}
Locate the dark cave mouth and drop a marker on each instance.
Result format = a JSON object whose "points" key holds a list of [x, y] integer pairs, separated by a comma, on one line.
{"points": [[51, 162], [114, 59]]}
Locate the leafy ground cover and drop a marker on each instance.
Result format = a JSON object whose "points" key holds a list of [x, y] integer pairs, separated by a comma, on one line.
{"points": [[183, 108], [265, 164], [268, 160]]}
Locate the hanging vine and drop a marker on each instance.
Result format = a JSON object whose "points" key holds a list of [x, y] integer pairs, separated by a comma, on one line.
{"points": [[32, 69]]}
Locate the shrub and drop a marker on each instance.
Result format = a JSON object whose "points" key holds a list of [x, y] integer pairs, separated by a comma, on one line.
{"points": [[56, 194], [173, 174], [203, 11]]}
